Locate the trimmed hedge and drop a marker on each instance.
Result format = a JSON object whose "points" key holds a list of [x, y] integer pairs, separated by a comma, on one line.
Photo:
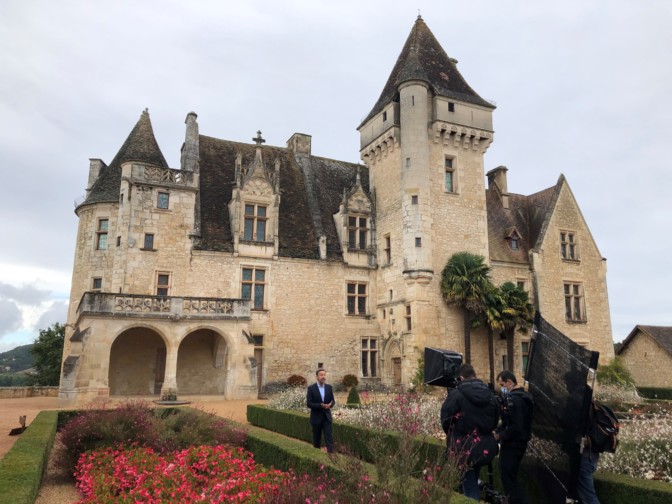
{"points": [[611, 488], [622, 489], [22, 468], [274, 450], [655, 392]]}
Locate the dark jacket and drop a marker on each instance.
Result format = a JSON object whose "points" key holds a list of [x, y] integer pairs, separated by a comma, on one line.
{"points": [[516, 412], [314, 401], [469, 409]]}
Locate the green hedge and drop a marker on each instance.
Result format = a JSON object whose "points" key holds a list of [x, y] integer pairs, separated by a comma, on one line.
{"points": [[611, 488], [22, 468], [275, 450], [350, 438], [655, 392], [622, 489]]}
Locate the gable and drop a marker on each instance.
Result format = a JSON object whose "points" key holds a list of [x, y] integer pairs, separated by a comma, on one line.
{"points": [[661, 335]]}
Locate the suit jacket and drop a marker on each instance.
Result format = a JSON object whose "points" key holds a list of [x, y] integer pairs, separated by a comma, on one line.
{"points": [[314, 401]]}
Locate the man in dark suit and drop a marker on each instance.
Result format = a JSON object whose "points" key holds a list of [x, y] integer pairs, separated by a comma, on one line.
{"points": [[320, 400]]}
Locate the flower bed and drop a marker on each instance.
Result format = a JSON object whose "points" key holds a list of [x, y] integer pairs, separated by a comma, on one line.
{"points": [[197, 474]]}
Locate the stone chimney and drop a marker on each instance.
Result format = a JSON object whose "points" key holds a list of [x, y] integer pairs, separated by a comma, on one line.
{"points": [[497, 182], [189, 159], [299, 143], [95, 165]]}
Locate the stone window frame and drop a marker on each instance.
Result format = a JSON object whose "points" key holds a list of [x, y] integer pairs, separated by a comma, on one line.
{"points": [[388, 249], [255, 284], [450, 167], [408, 317], [148, 241], [159, 200], [574, 302], [163, 283], [357, 298], [369, 363], [569, 245], [97, 284], [102, 229], [255, 220], [358, 226], [524, 354]]}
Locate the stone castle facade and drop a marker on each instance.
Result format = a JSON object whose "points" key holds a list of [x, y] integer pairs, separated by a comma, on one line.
{"points": [[250, 262]]}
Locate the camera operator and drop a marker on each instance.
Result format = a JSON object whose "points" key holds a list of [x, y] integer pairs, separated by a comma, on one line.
{"points": [[468, 416], [513, 433]]}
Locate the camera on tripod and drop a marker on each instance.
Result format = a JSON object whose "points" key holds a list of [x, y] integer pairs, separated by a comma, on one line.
{"points": [[442, 367]]}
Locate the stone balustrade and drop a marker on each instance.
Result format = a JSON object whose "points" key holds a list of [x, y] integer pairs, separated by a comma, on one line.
{"points": [[102, 303]]}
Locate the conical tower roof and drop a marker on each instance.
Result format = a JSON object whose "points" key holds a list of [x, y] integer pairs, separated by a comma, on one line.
{"points": [[140, 145], [423, 58]]}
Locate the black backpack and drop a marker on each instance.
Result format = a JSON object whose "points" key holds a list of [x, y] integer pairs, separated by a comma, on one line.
{"points": [[603, 429]]}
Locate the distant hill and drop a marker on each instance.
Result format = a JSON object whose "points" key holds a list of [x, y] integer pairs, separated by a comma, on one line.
{"points": [[17, 359]]}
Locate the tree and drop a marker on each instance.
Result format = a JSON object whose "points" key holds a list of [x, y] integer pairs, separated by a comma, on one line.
{"points": [[493, 320], [465, 282], [47, 352], [516, 312]]}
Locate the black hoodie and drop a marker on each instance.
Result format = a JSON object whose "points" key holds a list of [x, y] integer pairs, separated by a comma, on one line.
{"points": [[469, 407]]}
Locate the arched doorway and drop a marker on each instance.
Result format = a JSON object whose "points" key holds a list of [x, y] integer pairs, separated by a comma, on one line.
{"points": [[137, 362], [201, 363]]}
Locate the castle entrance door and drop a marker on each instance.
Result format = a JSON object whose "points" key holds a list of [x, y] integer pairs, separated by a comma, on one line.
{"points": [[396, 370]]}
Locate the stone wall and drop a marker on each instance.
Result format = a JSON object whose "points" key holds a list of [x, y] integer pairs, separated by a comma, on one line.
{"points": [[552, 271], [21, 392], [648, 363]]}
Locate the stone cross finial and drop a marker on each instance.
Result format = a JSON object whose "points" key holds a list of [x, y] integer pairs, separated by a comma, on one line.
{"points": [[258, 140]]}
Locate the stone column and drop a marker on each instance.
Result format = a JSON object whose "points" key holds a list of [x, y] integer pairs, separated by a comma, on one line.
{"points": [[170, 378]]}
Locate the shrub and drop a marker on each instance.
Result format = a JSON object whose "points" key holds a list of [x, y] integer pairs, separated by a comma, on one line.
{"points": [[353, 396], [196, 474], [614, 373], [135, 422], [296, 381], [350, 380], [293, 398]]}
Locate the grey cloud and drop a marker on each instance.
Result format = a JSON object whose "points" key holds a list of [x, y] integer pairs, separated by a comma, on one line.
{"points": [[10, 316], [27, 294], [57, 313]]}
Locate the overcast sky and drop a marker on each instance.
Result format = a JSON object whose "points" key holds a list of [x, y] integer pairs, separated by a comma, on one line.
{"points": [[582, 88]]}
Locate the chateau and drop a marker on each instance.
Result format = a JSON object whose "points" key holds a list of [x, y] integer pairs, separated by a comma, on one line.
{"points": [[252, 262]]}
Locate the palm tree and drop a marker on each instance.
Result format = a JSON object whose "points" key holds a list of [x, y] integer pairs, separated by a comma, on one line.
{"points": [[465, 282], [492, 318], [517, 312]]}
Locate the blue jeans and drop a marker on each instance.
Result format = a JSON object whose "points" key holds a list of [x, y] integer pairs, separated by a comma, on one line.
{"points": [[584, 486], [470, 483]]}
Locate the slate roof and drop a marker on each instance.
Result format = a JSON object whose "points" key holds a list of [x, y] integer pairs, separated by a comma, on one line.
{"points": [[311, 189], [526, 214], [423, 58], [661, 334], [140, 146]]}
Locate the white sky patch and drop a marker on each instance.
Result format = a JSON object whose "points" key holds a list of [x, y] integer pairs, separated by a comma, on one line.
{"points": [[56, 281]]}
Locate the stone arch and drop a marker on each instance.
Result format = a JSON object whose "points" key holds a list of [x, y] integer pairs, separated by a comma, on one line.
{"points": [[137, 362], [202, 362]]}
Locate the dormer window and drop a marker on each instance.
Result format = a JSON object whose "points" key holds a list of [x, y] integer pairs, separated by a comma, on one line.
{"points": [[255, 223], [358, 232], [514, 238]]}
